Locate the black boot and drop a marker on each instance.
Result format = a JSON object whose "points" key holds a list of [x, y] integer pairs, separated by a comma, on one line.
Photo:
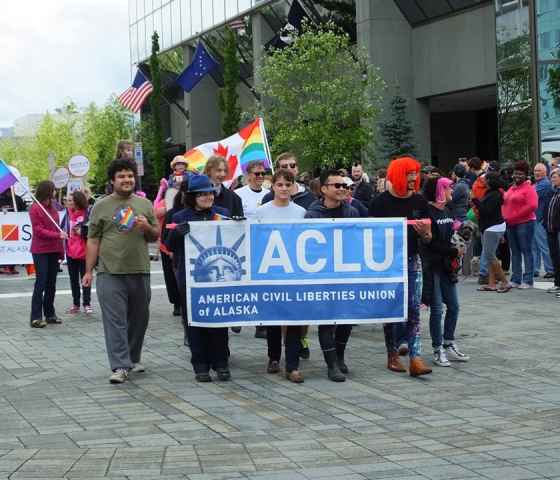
{"points": [[176, 310], [334, 372], [340, 347]]}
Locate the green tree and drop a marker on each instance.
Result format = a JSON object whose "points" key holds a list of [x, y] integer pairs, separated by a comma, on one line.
{"points": [[397, 130], [102, 129], [157, 160], [228, 97], [320, 97], [554, 82]]}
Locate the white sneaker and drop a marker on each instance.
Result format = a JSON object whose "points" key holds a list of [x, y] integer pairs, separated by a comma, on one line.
{"points": [[525, 286], [553, 290], [440, 358], [515, 285], [120, 375], [455, 355], [138, 368]]}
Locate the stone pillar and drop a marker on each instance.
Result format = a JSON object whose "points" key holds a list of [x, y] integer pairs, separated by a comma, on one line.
{"points": [[387, 37]]}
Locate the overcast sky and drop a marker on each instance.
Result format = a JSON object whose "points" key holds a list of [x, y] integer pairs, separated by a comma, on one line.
{"points": [[55, 50]]}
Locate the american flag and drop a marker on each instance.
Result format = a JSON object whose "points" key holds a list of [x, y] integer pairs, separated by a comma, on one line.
{"points": [[134, 96], [237, 24]]}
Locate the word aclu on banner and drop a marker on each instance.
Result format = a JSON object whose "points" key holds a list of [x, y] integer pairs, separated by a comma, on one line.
{"points": [[298, 272]]}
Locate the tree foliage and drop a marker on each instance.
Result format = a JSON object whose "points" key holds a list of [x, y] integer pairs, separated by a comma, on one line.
{"points": [[157, 159], [228, 97], [397, 130], [554, 82], [93, 133], [320, 97]]}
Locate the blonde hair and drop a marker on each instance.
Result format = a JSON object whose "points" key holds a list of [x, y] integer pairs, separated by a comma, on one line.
{"points": [[121, 146], [214, 162]]}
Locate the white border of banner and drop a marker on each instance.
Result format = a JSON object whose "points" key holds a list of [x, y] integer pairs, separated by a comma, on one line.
{"points": [[332, 281]]}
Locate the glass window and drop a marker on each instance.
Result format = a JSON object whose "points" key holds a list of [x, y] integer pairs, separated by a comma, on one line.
{"points": [[196, 15], [244, 5], [231, 9], [157, 25], [176, 22], [134, 43], [186, 25], [141, 40], [207, 20], [140, 10], [149, 31], [132, 11], [166, 26], [219, 11]]}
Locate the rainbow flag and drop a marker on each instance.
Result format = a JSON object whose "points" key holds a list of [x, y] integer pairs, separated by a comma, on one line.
{"points": [[245, 146], [7, 178]]}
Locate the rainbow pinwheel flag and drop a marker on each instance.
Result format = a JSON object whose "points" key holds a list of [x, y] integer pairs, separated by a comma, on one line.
{"points": [[245, 146], [7, 178]]}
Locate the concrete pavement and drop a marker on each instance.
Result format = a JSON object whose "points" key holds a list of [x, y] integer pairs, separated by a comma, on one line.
{"points": [[496, 417]]}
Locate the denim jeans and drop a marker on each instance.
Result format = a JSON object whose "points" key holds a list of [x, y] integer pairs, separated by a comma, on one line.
{"points": [[520, 238], [76, 270], [540, 249], [445, 292], [46, 270], [293, 344]]}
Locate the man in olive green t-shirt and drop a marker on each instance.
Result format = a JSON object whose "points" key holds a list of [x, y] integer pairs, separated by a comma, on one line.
{"points": [[120, 227]]}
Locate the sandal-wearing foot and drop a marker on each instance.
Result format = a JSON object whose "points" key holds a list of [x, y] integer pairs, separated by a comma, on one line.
{"points": [[75, 309], [88, 310], [486, 288], [38, 323], [504, 289]]}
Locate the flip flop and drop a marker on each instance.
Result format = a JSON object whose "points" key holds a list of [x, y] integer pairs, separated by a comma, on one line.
{"points": [[486, 288], [504, 289]]}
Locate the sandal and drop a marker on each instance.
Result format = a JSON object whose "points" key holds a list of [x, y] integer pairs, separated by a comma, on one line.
{"points": [[486, 288], [505, 289], [39, 323]]}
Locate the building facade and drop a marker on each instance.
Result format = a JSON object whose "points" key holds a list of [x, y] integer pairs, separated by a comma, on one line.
{"points": [[476, 73]]}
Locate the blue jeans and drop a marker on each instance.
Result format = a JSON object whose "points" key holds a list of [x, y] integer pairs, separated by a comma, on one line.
{"points": [[520, 238], [445, 292], [540, 249], [46, 270]]}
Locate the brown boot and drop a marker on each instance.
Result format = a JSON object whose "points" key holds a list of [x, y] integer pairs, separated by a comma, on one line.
{"points": [[418, 367], [393, 362]]}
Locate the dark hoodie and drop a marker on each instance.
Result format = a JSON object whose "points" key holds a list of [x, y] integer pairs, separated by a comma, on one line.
{"points": [[318, 210], [303, 199]]}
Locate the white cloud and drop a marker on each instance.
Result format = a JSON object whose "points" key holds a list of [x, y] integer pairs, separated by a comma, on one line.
{"points": [[56, 50]]}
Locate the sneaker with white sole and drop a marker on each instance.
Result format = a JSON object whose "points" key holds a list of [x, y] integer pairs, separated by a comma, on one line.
{"points": [[515, 285], [120, 375], [440, 358], [138, 368], [454, 354], [525, 286], [553, 290]]}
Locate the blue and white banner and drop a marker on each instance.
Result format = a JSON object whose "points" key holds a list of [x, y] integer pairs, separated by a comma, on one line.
{"points": [[320, 271]]}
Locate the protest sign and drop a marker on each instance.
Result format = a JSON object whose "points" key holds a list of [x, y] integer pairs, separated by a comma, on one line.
{"points": [[320, 271], [15, 239]]}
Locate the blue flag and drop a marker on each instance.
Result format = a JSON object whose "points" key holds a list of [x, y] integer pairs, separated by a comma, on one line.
{"points": [[202, 64]]}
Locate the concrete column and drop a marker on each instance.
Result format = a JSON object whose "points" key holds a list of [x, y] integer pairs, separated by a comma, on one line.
{"points": [[202, 105], [261, 35], [387, 37]]}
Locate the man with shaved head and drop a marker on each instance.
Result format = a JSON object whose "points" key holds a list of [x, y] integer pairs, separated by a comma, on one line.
{"points": [[543, 188]]}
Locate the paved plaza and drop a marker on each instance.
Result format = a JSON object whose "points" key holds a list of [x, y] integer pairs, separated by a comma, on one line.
{"points": [[496, 417]]}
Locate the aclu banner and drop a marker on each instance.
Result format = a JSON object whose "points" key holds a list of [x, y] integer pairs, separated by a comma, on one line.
{"points": [[15, 239], [313, 271]]}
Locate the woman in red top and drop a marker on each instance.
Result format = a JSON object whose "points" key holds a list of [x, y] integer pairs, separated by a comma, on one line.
{"points": [[76, 228], [47, 249]]}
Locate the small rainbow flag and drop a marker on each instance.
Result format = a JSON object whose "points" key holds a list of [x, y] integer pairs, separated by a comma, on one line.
{"points": [[7, 178], [125, 219], [245, 146]]}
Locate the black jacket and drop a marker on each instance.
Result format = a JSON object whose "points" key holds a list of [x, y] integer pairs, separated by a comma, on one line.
{"points": [[489, 209], [230, 201], [318, 210], [303, 199], [363, 192]]}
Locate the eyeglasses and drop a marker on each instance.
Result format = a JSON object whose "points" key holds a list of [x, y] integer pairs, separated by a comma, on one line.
{"points": [[288, 165], [259, 174], [338, 186]]}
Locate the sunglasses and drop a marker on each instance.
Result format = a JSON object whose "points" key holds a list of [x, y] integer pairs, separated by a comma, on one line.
{"points": [[338, 186], [259, 174], [288, 165]]}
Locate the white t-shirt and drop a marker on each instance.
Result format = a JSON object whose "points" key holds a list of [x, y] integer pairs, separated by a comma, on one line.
{"points": [[251, 200], [271, 211]]}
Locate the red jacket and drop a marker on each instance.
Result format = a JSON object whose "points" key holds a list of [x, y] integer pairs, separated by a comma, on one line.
{"points": [[520, 204], [46, 237]]}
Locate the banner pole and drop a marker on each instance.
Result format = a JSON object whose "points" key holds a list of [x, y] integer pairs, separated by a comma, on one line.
{"points": [[14, 198], [266, 144]]}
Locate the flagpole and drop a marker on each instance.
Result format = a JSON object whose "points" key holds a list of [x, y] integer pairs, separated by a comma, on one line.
{"points": [[14, 199], [261, 121], [55, 223]]}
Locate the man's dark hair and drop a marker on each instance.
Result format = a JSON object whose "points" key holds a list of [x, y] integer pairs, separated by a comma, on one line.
{"points": [[285, 174], [44, 191], [429, 189], [323, 178], [521, 166], [493, 180], [474, 163], [357, 164], [120, 164]]}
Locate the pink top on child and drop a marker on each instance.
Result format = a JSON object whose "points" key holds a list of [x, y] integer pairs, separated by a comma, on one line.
{"points": [[76, 245]]}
